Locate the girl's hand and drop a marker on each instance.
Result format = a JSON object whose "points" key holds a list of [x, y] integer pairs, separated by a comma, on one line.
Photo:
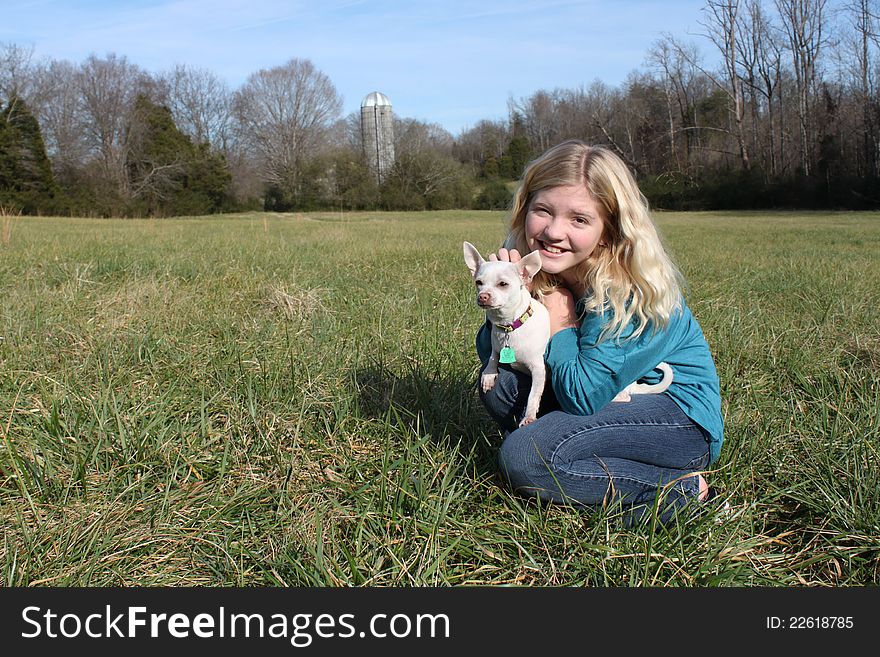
{"points": [[506, 256], [560, 304]]}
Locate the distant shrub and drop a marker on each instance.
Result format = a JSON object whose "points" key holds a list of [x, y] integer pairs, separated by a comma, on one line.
{"points": [[494, 196]]}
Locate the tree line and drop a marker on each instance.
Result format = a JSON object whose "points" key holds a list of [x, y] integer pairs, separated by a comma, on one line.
{"points": [[782, 112]]}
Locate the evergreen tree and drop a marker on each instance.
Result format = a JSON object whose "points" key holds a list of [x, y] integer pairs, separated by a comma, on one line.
{"points": [[518, 152], [26, 181], [169, 174]]}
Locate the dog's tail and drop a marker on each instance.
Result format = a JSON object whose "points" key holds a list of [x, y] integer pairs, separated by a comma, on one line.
{"points": [[649, 389]]}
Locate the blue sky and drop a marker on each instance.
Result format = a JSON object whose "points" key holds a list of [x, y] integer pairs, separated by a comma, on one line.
{"points": [[450, 62]]}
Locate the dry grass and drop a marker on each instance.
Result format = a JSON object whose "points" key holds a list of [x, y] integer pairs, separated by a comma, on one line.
{"points": [[299, 305], [7, 217]]}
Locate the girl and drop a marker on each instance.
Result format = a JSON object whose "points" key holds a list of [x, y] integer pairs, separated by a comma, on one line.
{"points": [[616, 311]]}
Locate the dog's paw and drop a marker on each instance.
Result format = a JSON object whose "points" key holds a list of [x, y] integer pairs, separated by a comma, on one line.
{"points": [[622, 396], [488, 381], [527, 420]]}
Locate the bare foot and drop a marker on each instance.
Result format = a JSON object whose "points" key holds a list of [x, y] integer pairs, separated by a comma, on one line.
{"points": [[704, 488]]}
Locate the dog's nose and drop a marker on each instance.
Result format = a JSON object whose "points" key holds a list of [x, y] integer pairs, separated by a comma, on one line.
{"points": [[484, 297]]}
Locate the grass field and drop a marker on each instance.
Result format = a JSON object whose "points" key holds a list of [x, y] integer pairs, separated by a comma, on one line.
{"points": [[262, 400]]}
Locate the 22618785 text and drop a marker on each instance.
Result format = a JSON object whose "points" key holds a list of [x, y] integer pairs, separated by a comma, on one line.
{"points": [[809, 623]]}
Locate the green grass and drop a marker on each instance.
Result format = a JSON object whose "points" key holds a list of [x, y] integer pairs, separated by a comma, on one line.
{"points": [[289, 400]]}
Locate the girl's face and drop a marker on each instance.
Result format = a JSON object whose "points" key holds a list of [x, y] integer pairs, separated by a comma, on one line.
{"points": [[564, 224]]}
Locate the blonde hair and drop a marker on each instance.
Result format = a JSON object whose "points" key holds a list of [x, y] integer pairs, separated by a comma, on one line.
{"points": [[629, 272]]}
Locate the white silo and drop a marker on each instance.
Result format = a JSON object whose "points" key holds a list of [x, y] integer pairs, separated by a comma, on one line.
{"points": [[377, 128]]}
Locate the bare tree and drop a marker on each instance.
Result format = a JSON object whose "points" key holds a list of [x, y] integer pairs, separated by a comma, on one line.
{"points": [[16, 72], [605, 108], [201, 104], [571, 119], [424, 165], [747, 57], [414, 136], [675, 65], [351, 132], [62, 117], [761, 58], [284, 114], [639, 111], [540, 119], [482, 146], [685, 84], [109, 88], [803, 22], [862, 16], [723, 30]]}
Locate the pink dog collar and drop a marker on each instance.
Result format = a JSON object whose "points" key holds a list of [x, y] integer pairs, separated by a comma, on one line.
{"points": [[517, 322]]}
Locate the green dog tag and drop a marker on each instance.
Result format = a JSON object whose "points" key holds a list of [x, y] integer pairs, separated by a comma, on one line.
{"points": [[506, 356]]}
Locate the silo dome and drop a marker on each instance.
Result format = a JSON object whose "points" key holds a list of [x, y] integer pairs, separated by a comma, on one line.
{"points": [[376, 99]]}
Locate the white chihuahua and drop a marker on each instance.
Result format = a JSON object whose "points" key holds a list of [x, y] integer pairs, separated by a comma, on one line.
{"points": [[520, 324]]}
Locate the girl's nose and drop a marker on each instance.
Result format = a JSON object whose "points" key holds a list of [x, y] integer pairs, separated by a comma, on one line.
{"points": [[552, 231]]}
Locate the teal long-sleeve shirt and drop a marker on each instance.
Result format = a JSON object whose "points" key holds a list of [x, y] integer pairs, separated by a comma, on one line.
{"points": [[586, 374]]}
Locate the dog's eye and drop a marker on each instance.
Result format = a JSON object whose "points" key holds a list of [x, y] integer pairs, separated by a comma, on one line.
{"points": [[503, 284], [478, 282]]}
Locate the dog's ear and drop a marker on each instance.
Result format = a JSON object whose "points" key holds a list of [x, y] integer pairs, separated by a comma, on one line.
{"points": [[529, 265], [472, 258]]}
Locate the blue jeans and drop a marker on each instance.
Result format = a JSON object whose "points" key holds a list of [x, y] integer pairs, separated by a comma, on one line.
{"points": [[627, 452]]}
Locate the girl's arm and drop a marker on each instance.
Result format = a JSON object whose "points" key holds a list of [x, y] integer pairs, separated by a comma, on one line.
{"points": [[586, 374], [581, 384]]}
